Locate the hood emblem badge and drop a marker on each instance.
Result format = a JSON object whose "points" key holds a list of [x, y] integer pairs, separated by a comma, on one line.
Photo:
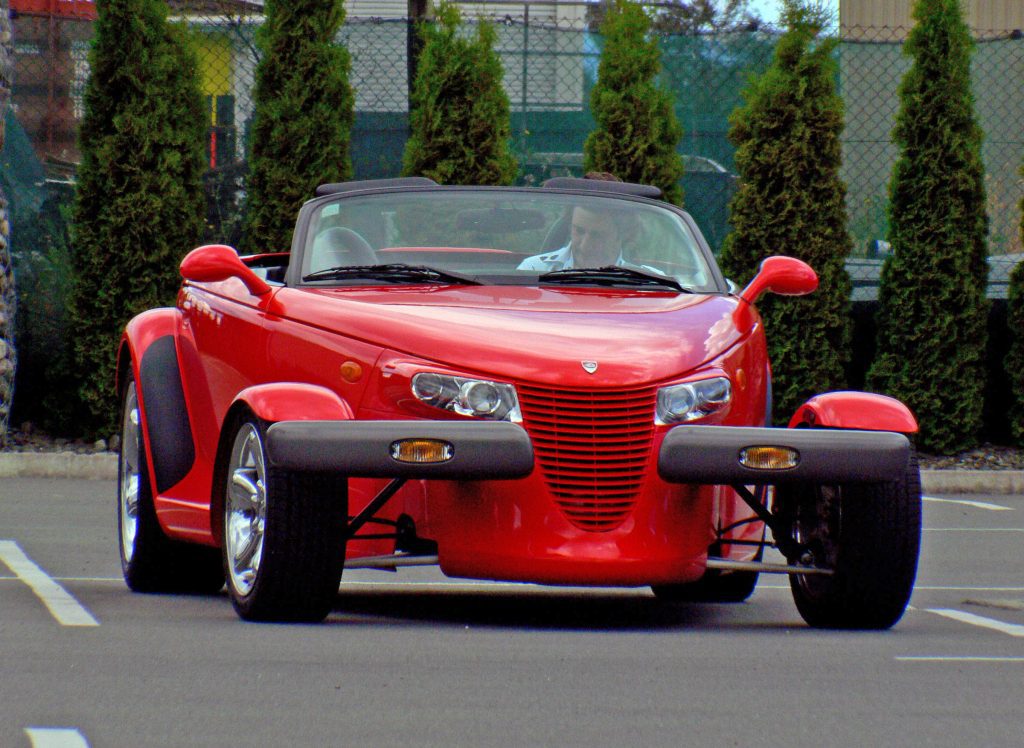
{"points": [[589, 366]]}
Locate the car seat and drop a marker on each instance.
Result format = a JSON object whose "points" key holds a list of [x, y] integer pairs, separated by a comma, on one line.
{"points": [[340, 247], [559, 233]]}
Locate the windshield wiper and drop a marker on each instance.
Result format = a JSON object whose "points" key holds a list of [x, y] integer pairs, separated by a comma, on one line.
{"points": [[612, 275], [396, 272]]}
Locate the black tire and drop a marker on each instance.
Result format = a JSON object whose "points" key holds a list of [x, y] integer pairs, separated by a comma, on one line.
{"points": [[714, 587], [150, 561], [283, 552], [870, 535]]}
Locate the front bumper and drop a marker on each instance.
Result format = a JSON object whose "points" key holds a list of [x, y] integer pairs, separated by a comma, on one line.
{"points": [[481, 450], [710, 454]]}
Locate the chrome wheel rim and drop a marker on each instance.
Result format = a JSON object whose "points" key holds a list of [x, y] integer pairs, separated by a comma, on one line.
{"points": [[245, 512], [128, 491]]}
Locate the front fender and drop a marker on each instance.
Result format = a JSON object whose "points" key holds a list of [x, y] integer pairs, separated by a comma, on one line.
{"points": [[149, 347], [865, 411], [478, 450], [274, 402], [294, 401], [139, 334], [715, 455]]}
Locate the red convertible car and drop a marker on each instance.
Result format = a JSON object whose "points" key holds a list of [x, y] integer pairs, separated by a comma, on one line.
{"points": [[552, 385]]}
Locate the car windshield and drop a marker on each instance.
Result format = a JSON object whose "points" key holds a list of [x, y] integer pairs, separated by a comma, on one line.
{"points": [[502, 237]]}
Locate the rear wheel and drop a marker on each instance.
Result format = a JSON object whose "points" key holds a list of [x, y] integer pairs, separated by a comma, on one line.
{"points": [[150, 561], [870, 535], [284, 533]]}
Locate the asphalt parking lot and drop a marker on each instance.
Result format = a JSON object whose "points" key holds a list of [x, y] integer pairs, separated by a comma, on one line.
{"points": [[412, 658]]}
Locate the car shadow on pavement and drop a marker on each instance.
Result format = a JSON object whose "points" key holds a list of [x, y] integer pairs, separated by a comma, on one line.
{"points": [[593, 611]]}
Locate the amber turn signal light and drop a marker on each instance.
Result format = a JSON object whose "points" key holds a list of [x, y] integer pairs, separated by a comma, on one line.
{"points": [[769, 458], [422, 450]]}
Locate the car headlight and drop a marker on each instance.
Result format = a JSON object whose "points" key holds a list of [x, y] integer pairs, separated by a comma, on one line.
{"points": [[468, 397], [680, 403]]}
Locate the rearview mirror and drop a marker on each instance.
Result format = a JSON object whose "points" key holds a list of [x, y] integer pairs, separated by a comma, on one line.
{"points": [[786, 276], [218, 262]]}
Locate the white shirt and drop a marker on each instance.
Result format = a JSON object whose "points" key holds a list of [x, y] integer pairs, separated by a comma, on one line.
{"points": [[560, 259]]}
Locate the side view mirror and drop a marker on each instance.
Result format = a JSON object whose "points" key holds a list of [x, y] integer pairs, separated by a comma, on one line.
{"points": [[218, 262], [787, 276]]}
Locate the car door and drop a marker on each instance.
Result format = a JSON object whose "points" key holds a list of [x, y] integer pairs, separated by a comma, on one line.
{"points": [[227, 325]]}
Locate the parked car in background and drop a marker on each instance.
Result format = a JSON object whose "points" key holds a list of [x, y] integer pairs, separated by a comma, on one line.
{"points": [[450, 376]]}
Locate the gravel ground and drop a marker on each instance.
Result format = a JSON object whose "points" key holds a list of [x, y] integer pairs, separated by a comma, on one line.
{"points": [[28, 439], [984, 457]]}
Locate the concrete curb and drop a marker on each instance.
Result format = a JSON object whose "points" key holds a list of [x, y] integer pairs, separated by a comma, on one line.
{"points": [[994, 482], [103, 466]]}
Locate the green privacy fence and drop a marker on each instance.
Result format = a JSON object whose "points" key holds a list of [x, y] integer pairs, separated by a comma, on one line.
{"points": [[550, 53]]}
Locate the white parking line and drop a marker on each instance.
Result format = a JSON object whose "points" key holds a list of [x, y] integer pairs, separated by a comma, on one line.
{"points": [[967, 502], [1012, 629], [58, 601], [966, 588], [101, 580], [917, 587], [973, 530], [965, 658], [56, 737]]}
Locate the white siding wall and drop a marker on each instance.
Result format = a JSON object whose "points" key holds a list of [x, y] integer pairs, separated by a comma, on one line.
{"points": [[552, 71], [869, 75], [986, 17]]}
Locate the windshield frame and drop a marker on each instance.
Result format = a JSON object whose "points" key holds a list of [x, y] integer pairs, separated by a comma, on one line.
{"points": [[302, 241]]}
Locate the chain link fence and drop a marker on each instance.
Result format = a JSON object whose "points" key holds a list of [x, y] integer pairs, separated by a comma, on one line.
{"points": [[550, 52], [871, 66]]}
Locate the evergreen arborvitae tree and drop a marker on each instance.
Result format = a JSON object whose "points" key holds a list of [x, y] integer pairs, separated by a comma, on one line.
{"points": [[303, 118], [139, 203], [792, 200], [8, 300], [1014, 363], [460, 118], [637, 131], [933, 311]]}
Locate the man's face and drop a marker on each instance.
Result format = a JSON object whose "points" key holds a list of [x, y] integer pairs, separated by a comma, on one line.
{"points": [[595, 239]]}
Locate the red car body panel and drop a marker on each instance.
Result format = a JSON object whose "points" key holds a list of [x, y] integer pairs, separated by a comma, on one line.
{"points": [[550, 330], [855, 410], [235, 346], [307, 352]]}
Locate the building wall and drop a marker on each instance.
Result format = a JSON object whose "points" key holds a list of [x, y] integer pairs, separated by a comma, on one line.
{"points": [[871, 66], [986, 17], [542, 59]]}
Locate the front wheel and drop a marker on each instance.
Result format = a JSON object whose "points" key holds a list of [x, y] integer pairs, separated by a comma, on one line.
{"points": [[284, 533], [870, 535]]}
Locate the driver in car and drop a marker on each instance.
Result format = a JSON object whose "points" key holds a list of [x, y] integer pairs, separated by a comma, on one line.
{"points": [[595, 241]]}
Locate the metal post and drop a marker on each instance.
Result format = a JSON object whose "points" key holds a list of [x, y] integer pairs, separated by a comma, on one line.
{"points": [[524, 88], [418, 14]]}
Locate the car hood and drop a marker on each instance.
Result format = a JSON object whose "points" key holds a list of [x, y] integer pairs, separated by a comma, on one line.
{"points": [[533, 334]]}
